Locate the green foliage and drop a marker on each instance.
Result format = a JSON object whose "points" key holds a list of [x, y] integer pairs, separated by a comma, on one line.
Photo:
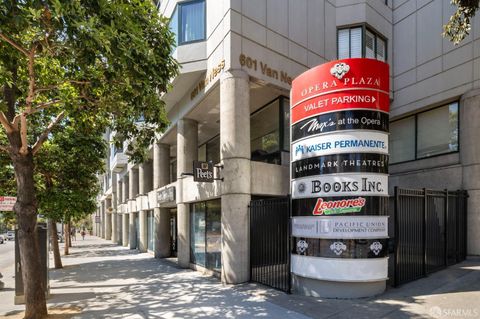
{"points": [[459, 25], [105, 58], [67, 168]]}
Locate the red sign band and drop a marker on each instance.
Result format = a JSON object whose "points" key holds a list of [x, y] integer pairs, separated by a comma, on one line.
{"points": [[341, 101], [340, 75]]}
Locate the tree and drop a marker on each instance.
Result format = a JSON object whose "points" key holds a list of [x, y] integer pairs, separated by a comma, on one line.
{"points": [[74, 60], [67, 166], [459, 25]]}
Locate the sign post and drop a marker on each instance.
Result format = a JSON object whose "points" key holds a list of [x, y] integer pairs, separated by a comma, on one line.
{"points": [[339, 178]]}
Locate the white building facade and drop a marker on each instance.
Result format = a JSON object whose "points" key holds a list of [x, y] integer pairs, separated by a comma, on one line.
{"points": [[230, 105]]}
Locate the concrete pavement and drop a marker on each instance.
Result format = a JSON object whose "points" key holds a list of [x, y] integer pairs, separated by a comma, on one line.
{"points": [[101, 280]]}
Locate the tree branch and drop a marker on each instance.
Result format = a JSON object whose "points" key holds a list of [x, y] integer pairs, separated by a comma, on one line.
{"points": [[13, 44], [6, 124], [44, 136], [31, 78], [55, 86], [23, 134], [41, 106]]}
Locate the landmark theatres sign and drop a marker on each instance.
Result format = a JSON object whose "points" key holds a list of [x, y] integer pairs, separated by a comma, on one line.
{"points": [[339, 154]]}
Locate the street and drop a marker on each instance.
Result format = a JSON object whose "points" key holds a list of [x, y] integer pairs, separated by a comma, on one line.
{"points": [[7, 254]]}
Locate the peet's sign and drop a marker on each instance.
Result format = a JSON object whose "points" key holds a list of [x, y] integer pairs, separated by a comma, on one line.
{"points": [[203, 172], [166, 195], [7, 203]]}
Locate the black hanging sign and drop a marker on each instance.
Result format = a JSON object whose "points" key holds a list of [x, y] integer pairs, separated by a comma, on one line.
{"points": [[203, 172]]}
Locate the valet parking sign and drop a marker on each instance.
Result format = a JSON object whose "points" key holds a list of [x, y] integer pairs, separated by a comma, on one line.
{"points": [[339, 152]]}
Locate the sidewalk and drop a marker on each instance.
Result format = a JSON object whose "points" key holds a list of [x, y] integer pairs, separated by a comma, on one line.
{"points": [[102, 280]]}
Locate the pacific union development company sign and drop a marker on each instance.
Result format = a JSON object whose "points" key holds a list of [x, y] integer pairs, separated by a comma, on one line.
{"points": [[339, 164]]}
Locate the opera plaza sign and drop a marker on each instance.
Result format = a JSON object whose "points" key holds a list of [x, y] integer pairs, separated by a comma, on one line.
{"points": [[339, 171]]}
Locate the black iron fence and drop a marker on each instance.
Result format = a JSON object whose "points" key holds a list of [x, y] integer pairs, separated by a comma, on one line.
{"points": [[430, 231], [270, 242]]}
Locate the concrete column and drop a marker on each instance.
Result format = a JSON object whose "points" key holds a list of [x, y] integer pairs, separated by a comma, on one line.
{"points": [[114, 206], [102, 218], [132, 194], [470, 158], [125, 182], [145, 176], [125, 228], [187, 152], [145, 182], [133, 183], [108, 219], [119, 189], [235, 156], [161, 165], [161, 177]]}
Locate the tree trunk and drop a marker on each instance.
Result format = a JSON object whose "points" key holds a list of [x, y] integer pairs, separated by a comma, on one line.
{"points": [[66, 237], [70, 233], [26, 210], [55, 247]]}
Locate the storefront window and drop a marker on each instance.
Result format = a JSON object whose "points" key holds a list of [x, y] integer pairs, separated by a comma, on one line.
{"points": [[269, 131], [205, 237], [214, 233], [150, 225], [197, 234]]}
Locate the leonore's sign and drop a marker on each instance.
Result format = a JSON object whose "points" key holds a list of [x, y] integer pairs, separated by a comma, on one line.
{"points": [[339, 154]]}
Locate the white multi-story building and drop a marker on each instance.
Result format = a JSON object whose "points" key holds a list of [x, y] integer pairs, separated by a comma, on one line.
{"points": [[230, 105]]}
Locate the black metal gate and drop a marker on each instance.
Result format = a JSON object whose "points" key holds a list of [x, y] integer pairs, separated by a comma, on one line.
{"points": [[430, 231], [270, 242]]}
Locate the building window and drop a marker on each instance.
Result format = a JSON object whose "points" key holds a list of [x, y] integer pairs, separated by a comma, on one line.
{"points": [[269, 131], [173, 171], [205, 234], [210, 151], [188, 22], [358, 42], [150, 229], [426, 134]]}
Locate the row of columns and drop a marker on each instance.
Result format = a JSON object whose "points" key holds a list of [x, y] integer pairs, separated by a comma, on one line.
{"points": [[235, 156]]}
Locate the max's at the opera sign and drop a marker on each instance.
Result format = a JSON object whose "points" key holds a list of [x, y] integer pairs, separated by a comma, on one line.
{"points": [[338, 121]]}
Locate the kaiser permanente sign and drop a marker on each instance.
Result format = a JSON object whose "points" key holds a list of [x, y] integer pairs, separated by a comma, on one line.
{"points": [[339, 177]]}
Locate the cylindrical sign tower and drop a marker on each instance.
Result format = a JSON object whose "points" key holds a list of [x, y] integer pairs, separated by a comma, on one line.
{"points": [[339, 179]]}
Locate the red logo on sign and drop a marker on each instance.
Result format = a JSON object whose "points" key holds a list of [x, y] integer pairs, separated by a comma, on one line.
{"points": [[343, 206]]}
